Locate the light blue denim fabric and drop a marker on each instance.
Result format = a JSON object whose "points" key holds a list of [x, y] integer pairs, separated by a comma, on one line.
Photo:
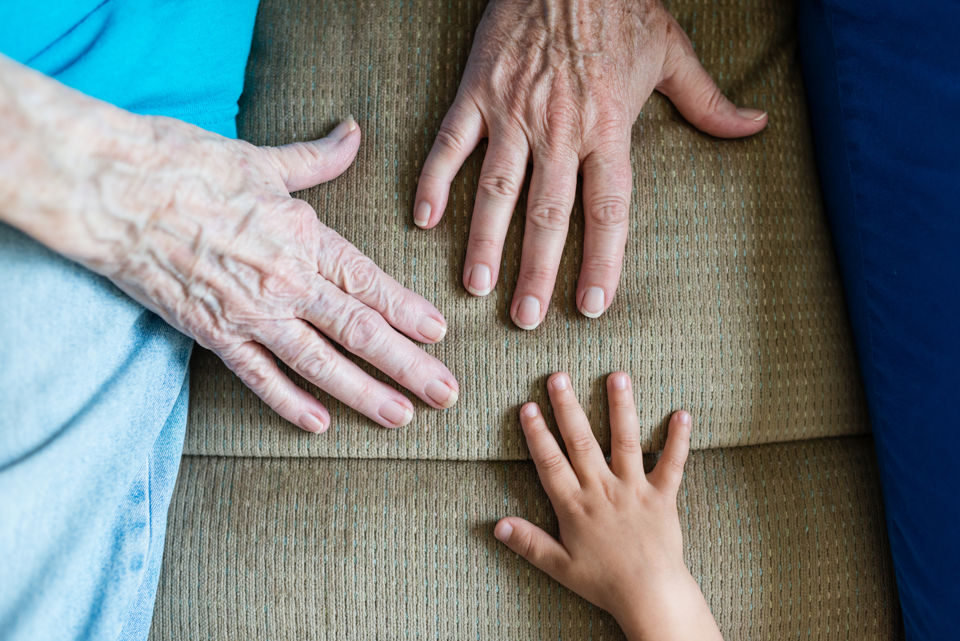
{"points": [[93, 388]]}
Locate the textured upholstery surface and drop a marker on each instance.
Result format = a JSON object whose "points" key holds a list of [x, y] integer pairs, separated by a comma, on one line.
{"points": [[786, 540], [729, 303], [729, 306]]}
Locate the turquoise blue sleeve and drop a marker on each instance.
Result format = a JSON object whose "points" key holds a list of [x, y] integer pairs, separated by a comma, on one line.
{"points": [[180, 59]]}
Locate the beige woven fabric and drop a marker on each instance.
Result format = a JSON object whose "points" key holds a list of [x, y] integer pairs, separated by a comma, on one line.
{"points": [[786, 540], [729, 303]]}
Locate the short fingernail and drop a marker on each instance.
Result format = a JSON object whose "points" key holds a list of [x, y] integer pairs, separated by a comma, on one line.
{"points": [[421, 214], [684, 417], [620, 381], [396, 413], [528, 313], [752, 114], [503, 531], [441, 393], [560, 382], [480, 281], [593, 300], [344, 129], [432, 329], [313, 423], [529, 410]]}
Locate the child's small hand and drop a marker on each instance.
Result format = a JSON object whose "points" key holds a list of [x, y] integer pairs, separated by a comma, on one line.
{"points": [[620, 545]]}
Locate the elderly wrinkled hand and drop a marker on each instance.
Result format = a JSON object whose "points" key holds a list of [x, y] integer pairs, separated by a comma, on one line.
{"points": [[560, 83], [203, 230], [227, 256]]}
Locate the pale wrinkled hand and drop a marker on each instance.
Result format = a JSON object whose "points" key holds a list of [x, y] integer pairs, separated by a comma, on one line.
{"points": [[620, 545], [560, 83], [227, 256]]}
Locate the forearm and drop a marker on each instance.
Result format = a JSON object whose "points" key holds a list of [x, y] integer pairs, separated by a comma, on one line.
{"points": [[59, 153]]}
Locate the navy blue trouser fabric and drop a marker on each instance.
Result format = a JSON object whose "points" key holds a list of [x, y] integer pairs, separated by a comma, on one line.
{"points": [[883, 84]]}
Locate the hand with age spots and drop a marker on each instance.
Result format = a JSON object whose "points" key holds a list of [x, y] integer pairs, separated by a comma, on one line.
{"points": [[203, 230], [559, 83], [620, 545]]}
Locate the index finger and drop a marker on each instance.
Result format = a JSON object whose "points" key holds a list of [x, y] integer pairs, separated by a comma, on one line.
{"points": [[458, 136]]}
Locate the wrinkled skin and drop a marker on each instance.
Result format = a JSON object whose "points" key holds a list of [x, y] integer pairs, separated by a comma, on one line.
{"points": [[229, 258], [203, 230], [620, 544], [559, 83]]}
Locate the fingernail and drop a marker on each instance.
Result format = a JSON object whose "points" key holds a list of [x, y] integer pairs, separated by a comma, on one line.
{"points": [[560, 382], [441, 393], [480, 280], [753, 114], [421, 215], [503, 531], [528, 313], [344, 129], [593, 300], [313, 423], [620, 381], [396, 413], [529, 410], [432, 328], [684, 417]]}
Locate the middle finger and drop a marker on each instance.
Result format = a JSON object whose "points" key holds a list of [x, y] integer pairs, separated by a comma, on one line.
{"points": [[553, 188]]}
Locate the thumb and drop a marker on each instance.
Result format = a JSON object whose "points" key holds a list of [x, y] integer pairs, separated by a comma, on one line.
{"points": [[698, 99], [536, 546], [305, 164]]}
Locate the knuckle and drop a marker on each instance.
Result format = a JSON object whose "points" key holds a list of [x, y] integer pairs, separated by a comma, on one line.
{"points": [[628, 443], [450, 137], [318, 366], [600, 263], [498, 184], [359, 274], [548, 215], [361, 331], [538, 275], [674, 463], [711, 98], [553, 462], [526, 545], [583, 442], [258, 377], [484, 245], [609, 212]]}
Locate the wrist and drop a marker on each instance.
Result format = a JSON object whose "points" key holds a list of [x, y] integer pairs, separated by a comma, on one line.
{"points": [[59, 152], [673, 610]]}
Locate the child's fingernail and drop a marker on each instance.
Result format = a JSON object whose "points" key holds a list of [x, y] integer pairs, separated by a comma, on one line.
{"points": [[620, 381], [503, 531], [684, 417], [560, 382], [529, 410]]}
